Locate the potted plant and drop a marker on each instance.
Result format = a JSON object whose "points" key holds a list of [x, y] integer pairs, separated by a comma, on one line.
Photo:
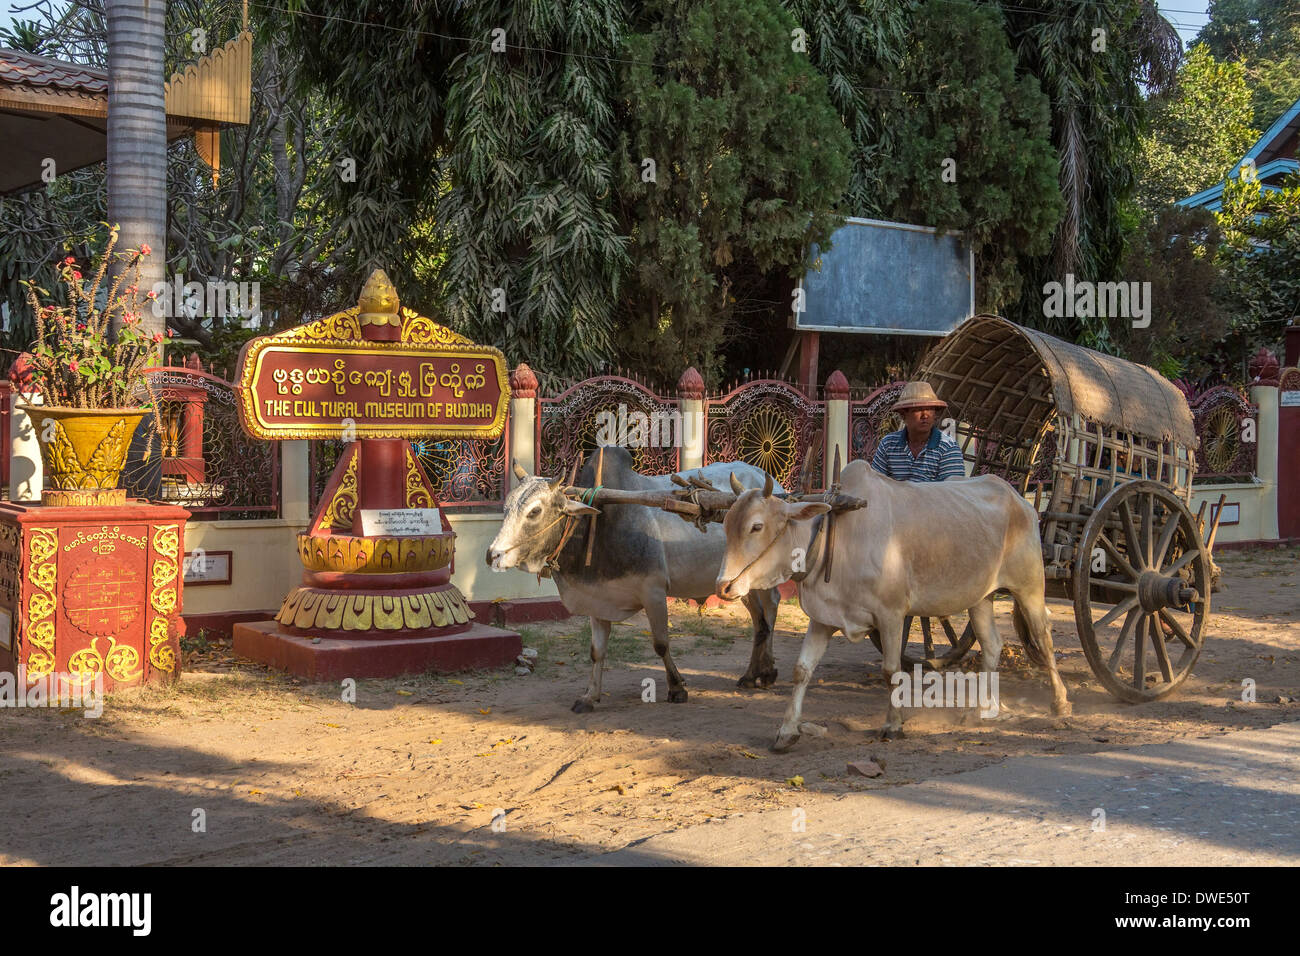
{"points": [[92, 382]]}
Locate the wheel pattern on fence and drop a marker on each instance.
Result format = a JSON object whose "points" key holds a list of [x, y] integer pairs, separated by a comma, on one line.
{"points": [[1224, 420], [770, 424], [571, 423]]}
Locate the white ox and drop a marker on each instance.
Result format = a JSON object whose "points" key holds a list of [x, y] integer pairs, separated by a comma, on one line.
{"points": [[932, 549], [641, 556]]}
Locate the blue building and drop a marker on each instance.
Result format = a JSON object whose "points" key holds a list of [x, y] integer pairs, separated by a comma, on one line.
{"points": [[1275, 155]]}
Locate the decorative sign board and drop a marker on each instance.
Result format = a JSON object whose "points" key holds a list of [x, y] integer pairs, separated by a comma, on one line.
{"points": [[1291, 399], [400, 522], [366, 389], [888, 277], [212, 567], [6, 630]]}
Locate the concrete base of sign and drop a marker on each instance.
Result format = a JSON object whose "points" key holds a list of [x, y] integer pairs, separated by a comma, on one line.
{"points": [[334, 658]]}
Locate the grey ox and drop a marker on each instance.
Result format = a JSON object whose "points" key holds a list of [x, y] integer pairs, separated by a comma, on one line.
{"points": [[641, 557], [928, 549]]}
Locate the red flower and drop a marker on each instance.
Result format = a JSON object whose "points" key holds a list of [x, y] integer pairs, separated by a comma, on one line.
{"points": [[69, 261], [144, 249], [76, 275], [72, 366], [151, 294], [157, 337]]}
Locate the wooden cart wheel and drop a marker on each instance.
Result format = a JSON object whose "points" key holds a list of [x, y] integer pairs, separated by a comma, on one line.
{"points": [[1141, 591], [924, 649]]}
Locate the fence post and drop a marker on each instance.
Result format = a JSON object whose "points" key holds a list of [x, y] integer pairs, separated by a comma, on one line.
{"points": [[690, 388], [523, 423], [1264, 394], [837, 423]]}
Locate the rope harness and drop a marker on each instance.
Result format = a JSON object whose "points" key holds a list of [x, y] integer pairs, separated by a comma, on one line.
{"points": [[551, 563]]}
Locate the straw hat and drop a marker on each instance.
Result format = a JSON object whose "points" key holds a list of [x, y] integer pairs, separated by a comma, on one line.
{"points": [[918, 395]]}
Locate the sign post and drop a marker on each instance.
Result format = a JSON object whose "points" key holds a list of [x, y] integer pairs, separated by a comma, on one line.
{"points": [[376, 597]]}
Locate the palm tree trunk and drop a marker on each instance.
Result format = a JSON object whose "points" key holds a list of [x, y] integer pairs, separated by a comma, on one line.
{"points": [[137, 138]]}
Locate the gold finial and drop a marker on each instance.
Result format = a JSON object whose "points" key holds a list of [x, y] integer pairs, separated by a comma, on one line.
{"points": [[378, 301]]}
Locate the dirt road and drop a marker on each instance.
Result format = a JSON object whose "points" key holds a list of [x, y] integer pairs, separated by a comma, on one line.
{"points": [[238, 765]]}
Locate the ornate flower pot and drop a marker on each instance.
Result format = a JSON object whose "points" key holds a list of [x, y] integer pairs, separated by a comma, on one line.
{"points": [[83, 450]]}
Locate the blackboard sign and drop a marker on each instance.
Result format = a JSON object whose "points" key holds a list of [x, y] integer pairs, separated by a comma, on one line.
{"points": [[888, 277]]}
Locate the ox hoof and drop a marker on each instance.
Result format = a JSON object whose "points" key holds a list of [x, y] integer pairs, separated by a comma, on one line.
{"points": [[888, 733], [784, 742], [767, 678], [677, 696], [1063, 709], [582, 706], [747, 682]]}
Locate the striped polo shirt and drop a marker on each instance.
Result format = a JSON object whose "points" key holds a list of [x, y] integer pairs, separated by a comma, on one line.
{"points": [[939, 460]]}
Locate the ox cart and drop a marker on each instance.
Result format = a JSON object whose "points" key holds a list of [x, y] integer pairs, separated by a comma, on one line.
{"points": [[1106, 448]]}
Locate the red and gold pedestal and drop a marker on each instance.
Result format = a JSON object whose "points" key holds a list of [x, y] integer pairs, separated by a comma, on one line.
{"points": [[90, 590], [371, 605]]}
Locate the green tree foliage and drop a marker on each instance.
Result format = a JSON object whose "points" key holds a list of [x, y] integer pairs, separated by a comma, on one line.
{"points": [[857, 45], [1198, 131], [1090, 60], [1176, 250], [1260, 259], [535, 252], [973, 149], [1265, 36], [749, 159]]}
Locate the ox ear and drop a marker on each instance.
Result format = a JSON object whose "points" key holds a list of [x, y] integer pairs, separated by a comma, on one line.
{"points": [[806, 510], [519, 472], [572, 507], [736, 486], [767, 485]]}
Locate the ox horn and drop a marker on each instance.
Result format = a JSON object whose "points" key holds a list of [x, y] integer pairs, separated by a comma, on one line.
{"points": [[736, 486], [519, 472], [767, 485]]}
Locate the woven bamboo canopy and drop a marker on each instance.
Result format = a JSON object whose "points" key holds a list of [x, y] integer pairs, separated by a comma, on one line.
{"points": [[1008, 381]]}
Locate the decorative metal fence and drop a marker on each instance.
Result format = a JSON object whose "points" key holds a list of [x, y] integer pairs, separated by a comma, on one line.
{"points": [[770, 424], [1227, 424], [466, 472], [202, 459], [569, 424], [871, 420]]}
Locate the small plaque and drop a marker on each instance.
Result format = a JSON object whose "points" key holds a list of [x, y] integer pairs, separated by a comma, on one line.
{"points": [[1291, 399], [206, 567], [6, 630], [400, 522], [1231, 513]]}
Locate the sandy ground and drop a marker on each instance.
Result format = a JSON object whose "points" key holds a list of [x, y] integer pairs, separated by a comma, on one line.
{"points": [[238, 765]]}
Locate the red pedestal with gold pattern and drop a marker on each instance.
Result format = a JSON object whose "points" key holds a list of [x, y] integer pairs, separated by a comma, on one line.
{"points": [[92, 590]]}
